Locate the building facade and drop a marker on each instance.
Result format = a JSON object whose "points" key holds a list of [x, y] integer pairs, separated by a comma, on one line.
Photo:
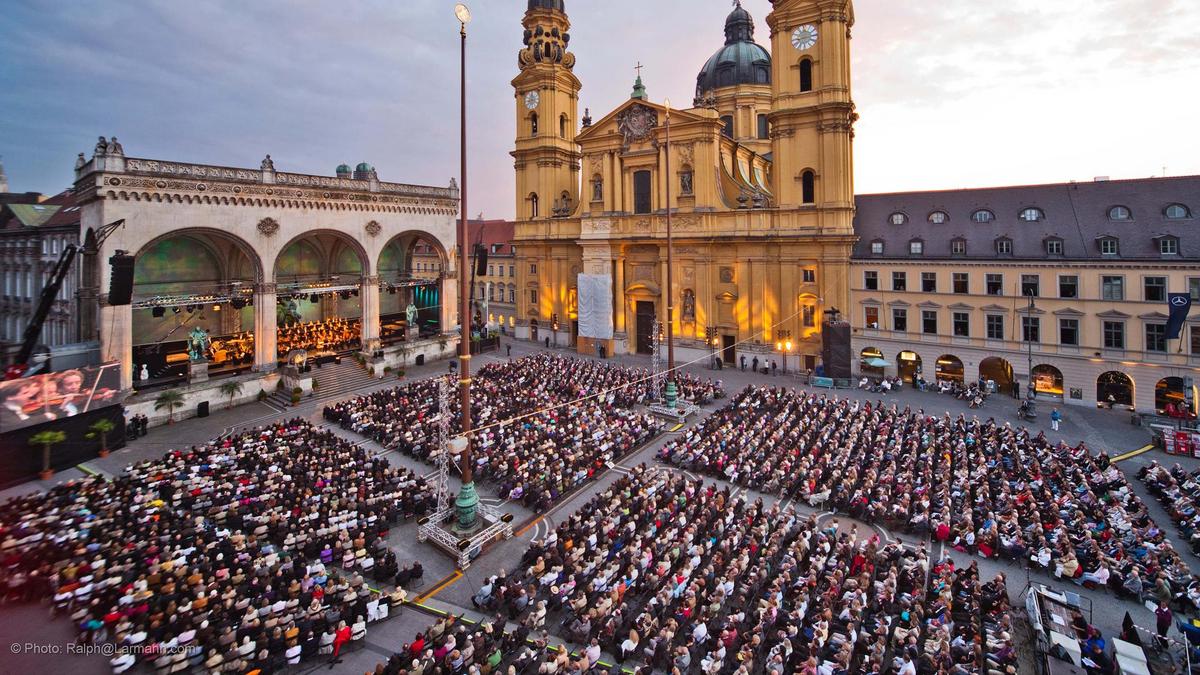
{"points": [[756, 177], [33, 237], [942, 284], [494, 293]]}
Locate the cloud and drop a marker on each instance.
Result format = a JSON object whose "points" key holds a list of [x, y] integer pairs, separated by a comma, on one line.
{"points": [[964, 93]]}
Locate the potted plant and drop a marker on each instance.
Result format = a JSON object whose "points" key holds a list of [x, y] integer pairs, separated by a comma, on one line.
{"points": [[296, 394], [100, 429], [400, 373], [262, 394], [47, 439], [231, 388], [170, 399]]}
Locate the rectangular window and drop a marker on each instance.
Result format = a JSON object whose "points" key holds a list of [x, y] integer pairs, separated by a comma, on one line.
{"points": [[1155, 288], [491, 269], [1068, 332], [1156, 337], [810, 316], [1030, 285], [962, 283], [641, 192], [1195, 340], [962, 324], [1194, 288], [512, 295], [533, 297], [809, 276], [1168, 246], [916, 247], [877, 247], [929, 321], [512, 271], [958, 246], [871, 280], [929, 282], [899, 281], [1004, 246], [1112, 288], [871, 315], [1114, 335], [533, 268], [1108, 247], [1068, 286], [764, 128], [995, 327], [900, 320], [1054, 247], [1031, 328], [995, 284]]}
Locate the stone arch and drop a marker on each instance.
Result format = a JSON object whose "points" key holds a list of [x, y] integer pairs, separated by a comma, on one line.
{"points": [[331, 239], [1114, 388], [950, 367], [1048, 381]]}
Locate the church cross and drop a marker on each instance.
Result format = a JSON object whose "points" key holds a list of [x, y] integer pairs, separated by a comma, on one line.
{"points": [[638, 68]]}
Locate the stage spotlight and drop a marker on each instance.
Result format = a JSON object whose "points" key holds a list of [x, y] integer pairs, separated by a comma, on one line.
{"points": [[216, 307], [192, 309], [355, 292], [238, 303], [158, 312], [314, 298], [175, 309]]}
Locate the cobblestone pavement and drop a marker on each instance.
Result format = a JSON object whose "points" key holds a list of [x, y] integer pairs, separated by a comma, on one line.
{"points": [[1102, 430]]}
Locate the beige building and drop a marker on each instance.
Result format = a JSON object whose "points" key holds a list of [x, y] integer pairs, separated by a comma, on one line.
{"points": [[757, 177], [941, 284]]}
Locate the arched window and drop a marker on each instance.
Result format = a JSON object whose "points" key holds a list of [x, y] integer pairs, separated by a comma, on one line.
{"points": [[562, 126], [727, 120], [938, 217], [764, 128], [1177, 212], [897, 218], [533, 120], [983, 216], [597, 188], [1032, 214], [533, 205], [1120, 213], [806, 79], [808, 187]]}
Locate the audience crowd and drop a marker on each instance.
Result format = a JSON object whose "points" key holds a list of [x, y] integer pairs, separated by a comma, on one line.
{"points": [[221, 557], [569, 418], [669, 574], [982, 487], [1178, 491]]}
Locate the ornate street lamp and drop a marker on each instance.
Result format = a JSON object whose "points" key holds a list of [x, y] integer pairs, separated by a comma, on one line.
{"points": [[467, 504]]}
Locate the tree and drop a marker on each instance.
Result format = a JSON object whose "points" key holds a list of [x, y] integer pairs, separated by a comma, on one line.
{"points": [[47, 439], [231, 388], [170, 399], [100, 429]]}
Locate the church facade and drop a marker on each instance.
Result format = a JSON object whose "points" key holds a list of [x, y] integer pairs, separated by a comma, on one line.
{"points": [[756, 178]]}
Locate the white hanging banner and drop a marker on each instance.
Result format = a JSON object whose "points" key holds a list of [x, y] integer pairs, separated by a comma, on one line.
{"points": [[595, 306]]}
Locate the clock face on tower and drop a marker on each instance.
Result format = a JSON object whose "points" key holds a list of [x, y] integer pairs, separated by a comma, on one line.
{"points": [[532, 99], [804, 37]]}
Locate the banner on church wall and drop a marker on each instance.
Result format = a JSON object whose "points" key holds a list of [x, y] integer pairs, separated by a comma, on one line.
{"points": [[595, 306]]}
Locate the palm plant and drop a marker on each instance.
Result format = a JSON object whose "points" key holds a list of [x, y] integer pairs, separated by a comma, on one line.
{"points": [[231, 389], [170, 399], [100, 429], [47, 439]]}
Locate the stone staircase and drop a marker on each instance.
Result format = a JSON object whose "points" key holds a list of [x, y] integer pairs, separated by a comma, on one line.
{"points": [[334, 380]]}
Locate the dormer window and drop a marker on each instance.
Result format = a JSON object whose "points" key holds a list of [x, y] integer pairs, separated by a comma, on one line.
{"points": [[983, 216], [1032, 215], [1177, 212], [1054, 245], [916, 247], [1109, 246], [1168, 245], [1004, 246], [877, 247], [1120, 213], [898, 218], [938, 217], [958, 246]]}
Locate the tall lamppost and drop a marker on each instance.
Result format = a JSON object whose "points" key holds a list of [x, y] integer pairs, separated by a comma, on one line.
{"points": [[467, 503], [671, 393]]}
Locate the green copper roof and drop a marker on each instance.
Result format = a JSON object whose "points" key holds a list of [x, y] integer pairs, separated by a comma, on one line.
{"points": [[639, 90]]}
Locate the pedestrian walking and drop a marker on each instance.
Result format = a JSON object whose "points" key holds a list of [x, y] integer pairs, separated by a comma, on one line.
{"points": [[1055, 418], [754, 365], [1162, 619], [508, 351], [772, 367], [743, 363]]}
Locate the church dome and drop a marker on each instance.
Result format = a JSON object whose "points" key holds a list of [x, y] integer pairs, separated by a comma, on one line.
{"points": [[740, 61], [556, 5]]}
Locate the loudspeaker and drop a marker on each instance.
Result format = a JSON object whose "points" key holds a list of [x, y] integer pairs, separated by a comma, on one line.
{"points": [[420, 359], [481, 255], [120, 283], [202, 409], [835, 349]]}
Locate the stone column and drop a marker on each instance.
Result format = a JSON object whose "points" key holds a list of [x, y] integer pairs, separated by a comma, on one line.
{"points": [[116, 339], [265, 357], [368, 298]]}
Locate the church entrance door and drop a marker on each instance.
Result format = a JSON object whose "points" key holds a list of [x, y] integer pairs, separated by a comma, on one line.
{"points": [[645, 324]]}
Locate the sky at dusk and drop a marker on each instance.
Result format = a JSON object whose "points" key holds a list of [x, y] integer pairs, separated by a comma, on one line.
{"points": [[951, 94]]}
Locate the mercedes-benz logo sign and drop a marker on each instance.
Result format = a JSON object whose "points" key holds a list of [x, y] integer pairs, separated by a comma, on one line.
{"points": [[1179, 301]]}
